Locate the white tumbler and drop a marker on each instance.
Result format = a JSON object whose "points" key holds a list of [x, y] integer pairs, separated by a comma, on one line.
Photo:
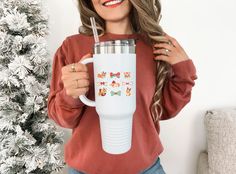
{"points": [[114, 64]]}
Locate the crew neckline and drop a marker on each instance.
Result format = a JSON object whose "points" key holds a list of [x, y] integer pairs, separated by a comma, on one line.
{"points": [[120, 36]]}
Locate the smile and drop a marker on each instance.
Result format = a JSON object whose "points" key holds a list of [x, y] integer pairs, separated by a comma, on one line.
{"points": [[112, 3]]}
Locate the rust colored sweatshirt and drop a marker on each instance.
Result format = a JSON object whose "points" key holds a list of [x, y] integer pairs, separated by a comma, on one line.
{"points": [[84, 150]]}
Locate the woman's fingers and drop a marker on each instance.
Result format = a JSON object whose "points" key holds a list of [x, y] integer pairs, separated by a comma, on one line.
{"points": [[75, 76], [75, 84], [163, 45], [162, 57], [75, 93], [169, 51], [74, 67], [162, 51], [75, 88]]}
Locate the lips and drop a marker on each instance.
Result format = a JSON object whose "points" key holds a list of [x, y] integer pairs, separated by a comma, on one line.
{"points": [[112, 3]]}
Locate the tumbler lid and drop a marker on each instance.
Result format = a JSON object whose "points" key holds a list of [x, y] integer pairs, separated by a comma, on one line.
{"points": [[123, 42], [115, 46]]}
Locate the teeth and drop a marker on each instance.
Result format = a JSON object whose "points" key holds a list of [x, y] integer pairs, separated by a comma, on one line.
{"points": [[112, 2]]}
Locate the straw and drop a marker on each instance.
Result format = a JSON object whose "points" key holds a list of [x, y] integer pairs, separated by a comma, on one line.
{"points": [[95, 33]]}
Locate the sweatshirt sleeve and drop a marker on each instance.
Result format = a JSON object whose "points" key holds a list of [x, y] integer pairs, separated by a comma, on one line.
{"points": [[177, 90], [63, 109]]}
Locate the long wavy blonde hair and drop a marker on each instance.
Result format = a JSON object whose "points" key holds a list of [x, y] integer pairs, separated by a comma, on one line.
{"points": [[145, 17]]}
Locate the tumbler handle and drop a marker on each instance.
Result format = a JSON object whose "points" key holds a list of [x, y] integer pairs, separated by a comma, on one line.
{"points": [[83, 98]]}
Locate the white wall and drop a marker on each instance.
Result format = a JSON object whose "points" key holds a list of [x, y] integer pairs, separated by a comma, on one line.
{"points": [[207, 31]]}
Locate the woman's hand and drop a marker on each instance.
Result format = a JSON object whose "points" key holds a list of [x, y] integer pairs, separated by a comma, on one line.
{"points": [[75, 78], [170, 51]]}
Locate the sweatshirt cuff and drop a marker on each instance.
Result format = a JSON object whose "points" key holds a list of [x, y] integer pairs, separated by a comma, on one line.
{"points": [[70, 102], [184, 69]]}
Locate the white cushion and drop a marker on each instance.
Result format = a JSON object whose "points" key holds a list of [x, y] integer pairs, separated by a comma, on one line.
{"points": [[221, 140]]}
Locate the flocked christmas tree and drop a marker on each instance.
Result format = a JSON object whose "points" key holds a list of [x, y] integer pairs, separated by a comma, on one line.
{"points": [[28, 142]]}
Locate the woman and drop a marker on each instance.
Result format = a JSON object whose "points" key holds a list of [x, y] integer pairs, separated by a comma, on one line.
{"points": [[165, 77]]}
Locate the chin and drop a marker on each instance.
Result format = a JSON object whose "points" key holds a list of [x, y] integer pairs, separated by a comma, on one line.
{"points": [[115, 17]]}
